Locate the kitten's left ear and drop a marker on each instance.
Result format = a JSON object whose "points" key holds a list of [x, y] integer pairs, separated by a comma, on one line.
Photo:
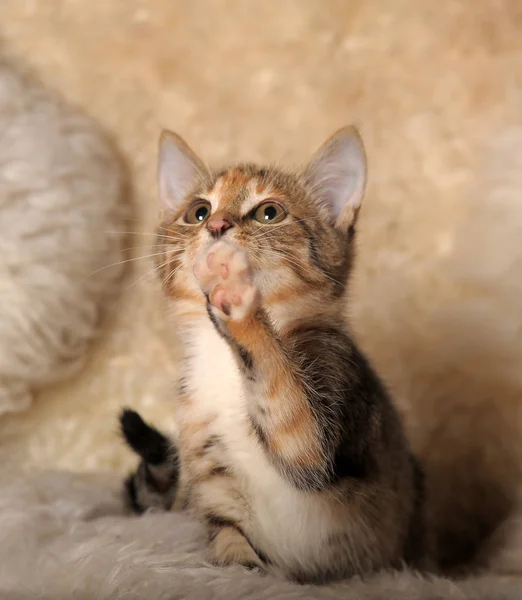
{"points": [[337, 176]]}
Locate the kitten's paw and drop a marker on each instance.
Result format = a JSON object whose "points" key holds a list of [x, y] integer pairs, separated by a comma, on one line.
{"points": [[226, 277], [229, 547]]}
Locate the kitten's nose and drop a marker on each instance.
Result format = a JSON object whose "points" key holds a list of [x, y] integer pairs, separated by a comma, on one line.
{"points": [[217, 225]]}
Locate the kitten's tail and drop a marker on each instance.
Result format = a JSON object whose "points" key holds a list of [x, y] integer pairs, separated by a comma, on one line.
{"points": [[154, 484]]}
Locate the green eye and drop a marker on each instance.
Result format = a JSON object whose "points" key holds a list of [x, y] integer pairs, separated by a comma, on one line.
{"points": [[269, 213], [198, 212]]}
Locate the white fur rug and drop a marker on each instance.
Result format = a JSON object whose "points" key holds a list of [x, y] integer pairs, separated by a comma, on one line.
{"points": [[65, 536]]}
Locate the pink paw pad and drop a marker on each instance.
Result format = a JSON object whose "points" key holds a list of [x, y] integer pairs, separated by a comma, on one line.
{"points": [[226, 277]]}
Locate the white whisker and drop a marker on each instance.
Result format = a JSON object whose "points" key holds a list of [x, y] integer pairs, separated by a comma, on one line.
{"points": [[175, 236], [121, 262], [272, 228], [147, 274]]}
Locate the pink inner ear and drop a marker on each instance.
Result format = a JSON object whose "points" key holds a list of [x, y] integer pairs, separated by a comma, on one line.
{"points": [[179, 170], [346, 193], [337, 174]]}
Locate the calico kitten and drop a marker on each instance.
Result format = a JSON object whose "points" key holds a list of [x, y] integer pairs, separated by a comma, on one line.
{"points": [[289, 447]]}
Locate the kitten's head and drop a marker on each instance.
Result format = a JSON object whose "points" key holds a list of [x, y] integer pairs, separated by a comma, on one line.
{"points": [[297, 229]]}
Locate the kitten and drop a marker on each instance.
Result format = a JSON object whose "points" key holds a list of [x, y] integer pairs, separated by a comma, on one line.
{"points": [[289, 449]]}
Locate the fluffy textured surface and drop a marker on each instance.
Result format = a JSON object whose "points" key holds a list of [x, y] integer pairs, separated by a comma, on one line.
{"points": [[63, 536], [61, 211]]}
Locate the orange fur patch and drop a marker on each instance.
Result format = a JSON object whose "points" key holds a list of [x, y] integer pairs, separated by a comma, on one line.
{"points": [[248, 333], [178, 292], [275, 385], [260, 187], [191, 429], [230, 186], [285, 294], [300, 420], [191, 314], [294, 437], [299, 447]]}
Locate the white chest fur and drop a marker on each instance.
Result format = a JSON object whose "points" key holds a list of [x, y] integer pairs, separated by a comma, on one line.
{"points": [[281, 520]]}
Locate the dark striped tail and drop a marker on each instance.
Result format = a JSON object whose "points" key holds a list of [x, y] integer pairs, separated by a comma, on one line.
{"points": [[154, 484]]}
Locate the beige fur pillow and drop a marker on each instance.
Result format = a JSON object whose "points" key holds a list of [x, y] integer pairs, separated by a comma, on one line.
{"points": [[61, 192]]}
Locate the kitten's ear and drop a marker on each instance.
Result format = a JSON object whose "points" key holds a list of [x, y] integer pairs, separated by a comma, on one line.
{"points": [[179, 169], [337, 176]]}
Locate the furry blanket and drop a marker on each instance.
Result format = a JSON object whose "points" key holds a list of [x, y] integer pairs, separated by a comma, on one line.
{"points": [[66, 536], [63, 199]]}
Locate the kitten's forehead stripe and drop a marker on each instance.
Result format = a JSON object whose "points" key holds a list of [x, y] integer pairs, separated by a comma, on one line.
{"points": [[214, 194], [234, 189], [238, 189], [254, 197]]}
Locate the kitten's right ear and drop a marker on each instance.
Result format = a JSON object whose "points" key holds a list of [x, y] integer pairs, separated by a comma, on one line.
{"points": [[179, 169]]}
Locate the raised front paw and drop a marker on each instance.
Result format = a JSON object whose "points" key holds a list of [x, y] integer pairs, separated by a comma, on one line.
{"points": [[226, 277]]}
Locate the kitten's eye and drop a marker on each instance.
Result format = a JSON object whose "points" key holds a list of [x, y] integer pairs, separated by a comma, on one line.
{"points": [[269, 213], [198, 212]]}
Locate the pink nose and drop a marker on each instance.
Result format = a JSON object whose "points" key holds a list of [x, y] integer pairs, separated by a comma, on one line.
{"points": [[218, 225]]}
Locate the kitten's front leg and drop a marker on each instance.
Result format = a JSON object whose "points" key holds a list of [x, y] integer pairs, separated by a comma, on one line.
{"points": [[281, 414]]}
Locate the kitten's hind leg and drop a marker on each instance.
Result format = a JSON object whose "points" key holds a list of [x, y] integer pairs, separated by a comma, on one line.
{"points": [[155, 483], [229, 546]]}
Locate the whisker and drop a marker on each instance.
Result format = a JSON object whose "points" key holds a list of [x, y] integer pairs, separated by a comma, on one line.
{"points": [[147, 274], [290, 259], [143, 247], [170, 276], [155, 235], [272, 228], [295, 261], [160, 266], [121, 262], [132, 232]]}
